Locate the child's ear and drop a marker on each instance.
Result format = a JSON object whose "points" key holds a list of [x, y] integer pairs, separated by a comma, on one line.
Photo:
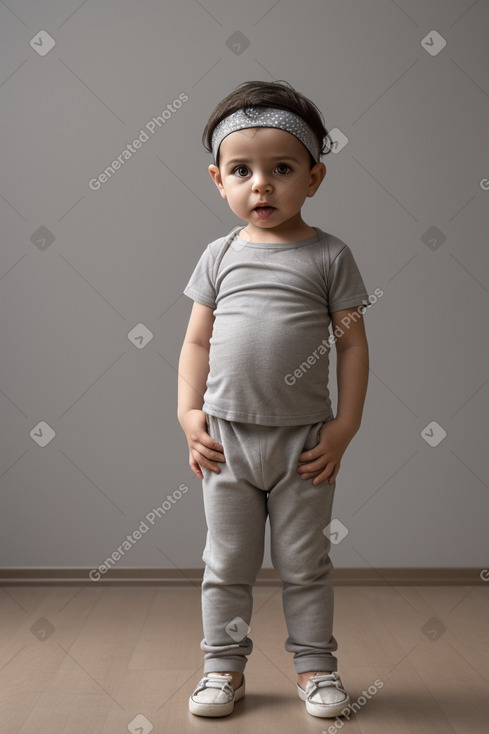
{"points": [[215, 174], [317, 174]]}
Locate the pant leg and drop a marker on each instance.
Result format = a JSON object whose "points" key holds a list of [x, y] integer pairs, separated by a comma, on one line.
{"points": [[299, 511], [236, 513]]}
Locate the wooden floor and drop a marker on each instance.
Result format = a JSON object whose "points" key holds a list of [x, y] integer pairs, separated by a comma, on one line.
{"points": [[91, 660]]}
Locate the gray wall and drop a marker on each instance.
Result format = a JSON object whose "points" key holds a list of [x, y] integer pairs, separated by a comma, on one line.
{"points": [[89, 275]]}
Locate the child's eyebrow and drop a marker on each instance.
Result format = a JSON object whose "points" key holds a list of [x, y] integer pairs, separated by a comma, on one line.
{"points": [[233, 161]]}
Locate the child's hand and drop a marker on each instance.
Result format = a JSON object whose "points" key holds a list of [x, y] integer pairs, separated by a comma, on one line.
{"points": [[203, 450], [324, 460]]}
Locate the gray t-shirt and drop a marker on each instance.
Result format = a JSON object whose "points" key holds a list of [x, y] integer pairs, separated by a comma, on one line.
{"points": [[269, 350]]}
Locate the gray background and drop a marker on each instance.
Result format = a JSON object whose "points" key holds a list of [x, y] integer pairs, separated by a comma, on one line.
{"points": [[417, 158]]}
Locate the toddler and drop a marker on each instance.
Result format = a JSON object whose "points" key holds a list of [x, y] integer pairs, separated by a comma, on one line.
{"points": [[253, 392]]}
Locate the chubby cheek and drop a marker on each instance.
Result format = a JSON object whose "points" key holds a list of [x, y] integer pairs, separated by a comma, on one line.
{"points": [[295, 197], [287, 197], [237, 196]]}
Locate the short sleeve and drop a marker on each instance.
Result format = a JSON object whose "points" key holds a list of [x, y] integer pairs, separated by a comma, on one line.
{"points": [[201, 286], [346, 288]]}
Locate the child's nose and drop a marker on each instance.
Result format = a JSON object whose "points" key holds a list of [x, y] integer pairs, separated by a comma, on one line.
{"points": [[261, 182]]}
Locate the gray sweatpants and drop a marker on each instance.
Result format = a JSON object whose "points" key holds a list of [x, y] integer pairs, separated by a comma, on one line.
{"points": [[260, 479]]}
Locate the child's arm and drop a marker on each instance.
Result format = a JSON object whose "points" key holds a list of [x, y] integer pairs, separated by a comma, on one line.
{"points": [[193, 369], [323, 461]]}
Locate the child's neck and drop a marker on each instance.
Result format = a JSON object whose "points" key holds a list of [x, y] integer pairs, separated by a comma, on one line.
{"points": [[286, 232]]}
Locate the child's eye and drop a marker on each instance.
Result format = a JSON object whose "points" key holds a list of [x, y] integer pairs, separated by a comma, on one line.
{"points": [[283, 166], [241, 168]]}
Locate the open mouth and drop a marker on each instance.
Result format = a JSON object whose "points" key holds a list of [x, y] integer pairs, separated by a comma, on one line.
{"points": [[264, 211]]}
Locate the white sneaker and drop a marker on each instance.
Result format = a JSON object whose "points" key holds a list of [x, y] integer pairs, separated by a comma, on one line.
{"points": [[324, 695], [215, 696]]}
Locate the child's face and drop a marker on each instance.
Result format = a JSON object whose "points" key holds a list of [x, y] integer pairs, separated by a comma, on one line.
{"points": [[265, 164]]}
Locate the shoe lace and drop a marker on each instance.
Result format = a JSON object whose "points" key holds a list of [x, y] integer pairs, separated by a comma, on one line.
{"points": [[324, 681], [215, 681]]}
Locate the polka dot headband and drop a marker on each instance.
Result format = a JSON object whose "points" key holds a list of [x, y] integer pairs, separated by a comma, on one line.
{"points": [[266, 117]]}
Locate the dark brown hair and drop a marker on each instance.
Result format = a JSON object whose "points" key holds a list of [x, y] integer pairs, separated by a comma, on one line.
{"points": [[268, 94]]}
